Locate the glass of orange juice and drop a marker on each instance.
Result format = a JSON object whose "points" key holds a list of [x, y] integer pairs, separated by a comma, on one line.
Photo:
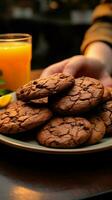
{"points": [[15, 60]]}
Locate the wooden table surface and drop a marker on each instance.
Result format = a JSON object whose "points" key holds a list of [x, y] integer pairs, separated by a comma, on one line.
{"points": [[34, 176]]}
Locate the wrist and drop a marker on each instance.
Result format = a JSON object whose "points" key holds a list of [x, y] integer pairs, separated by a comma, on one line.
{"points": [[101, 52]]}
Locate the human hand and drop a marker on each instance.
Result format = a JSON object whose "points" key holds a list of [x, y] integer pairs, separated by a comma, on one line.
{"points": [[80, 66]]}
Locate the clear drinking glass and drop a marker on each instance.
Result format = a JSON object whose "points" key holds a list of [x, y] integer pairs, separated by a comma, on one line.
{"points": [[15, 60]]}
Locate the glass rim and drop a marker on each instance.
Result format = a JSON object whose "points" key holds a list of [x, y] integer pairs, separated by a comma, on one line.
{"points": [[14, 37]]}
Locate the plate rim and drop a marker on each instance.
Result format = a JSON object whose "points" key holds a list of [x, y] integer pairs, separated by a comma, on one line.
{"points": [[18, 144]]}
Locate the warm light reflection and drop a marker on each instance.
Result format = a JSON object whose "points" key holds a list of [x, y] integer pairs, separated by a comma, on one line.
{"points": [[53, 5], [22, 193]]}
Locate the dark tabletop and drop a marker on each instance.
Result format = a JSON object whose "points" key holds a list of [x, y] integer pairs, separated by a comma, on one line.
{"points": [[33, 176]]}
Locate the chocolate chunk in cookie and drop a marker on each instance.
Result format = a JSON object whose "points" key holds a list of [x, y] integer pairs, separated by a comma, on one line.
{"points": [[44, 87], [106, 115], [97, 131], [19, 117], [67, 132], [86, 93]]}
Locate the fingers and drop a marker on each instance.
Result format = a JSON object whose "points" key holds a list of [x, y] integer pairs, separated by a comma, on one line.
{"points": [[76, 66], [82, 66], [55, 68]]}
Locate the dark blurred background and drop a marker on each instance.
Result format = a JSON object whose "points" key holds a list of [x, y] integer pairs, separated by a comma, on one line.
{"points": [[57, 26]]}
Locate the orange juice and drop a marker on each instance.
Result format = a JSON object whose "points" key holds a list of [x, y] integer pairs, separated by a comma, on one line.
{"points": [[15, 59]]}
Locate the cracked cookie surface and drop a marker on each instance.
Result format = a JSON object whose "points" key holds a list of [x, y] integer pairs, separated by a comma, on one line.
{"points": [[67, 132], [106, 115], [86, 93], [41, 101], [98, 130], [19, 117], [44, 87]]}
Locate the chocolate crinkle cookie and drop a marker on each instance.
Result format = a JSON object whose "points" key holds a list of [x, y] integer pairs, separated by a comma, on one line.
{"points": [[44, 87], [20, 117], [85, 94], [67, 132], [106, 115], [98, 130]]}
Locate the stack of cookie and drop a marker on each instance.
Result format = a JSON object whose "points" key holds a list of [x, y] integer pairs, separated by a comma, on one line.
{"points": [[71, 112]]}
